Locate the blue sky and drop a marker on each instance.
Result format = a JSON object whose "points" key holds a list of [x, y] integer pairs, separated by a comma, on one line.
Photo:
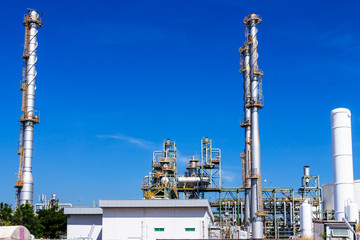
{"points": [[116, 78]]}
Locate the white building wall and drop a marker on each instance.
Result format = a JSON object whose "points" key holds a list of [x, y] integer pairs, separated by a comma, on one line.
{"points": [[328, 195], [140, 223], [79, 226]]}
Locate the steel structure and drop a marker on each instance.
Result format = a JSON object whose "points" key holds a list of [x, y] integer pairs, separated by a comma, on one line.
{"points": [[262, 212], [246, 124], [228, 204], [311, 190], [204, 175], [210, 163], [161, 182], [49, 203], [24, 184], [253, 102]]}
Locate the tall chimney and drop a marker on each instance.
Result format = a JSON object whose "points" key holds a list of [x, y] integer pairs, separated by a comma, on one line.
{"points": [[25, 183]]}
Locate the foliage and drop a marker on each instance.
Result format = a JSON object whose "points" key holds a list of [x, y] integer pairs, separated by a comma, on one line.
{"points": [[49, 223], [25, 216], [5, 214], [322, 235], [54, 222]]}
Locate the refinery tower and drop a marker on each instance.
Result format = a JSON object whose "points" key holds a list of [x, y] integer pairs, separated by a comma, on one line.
{"points": [[25, 183]]}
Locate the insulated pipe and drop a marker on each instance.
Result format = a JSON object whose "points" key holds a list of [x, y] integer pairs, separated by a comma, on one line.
{"points": [[247, 97], [26, 192], [342, 160], [284, 213], [291, 214], [256, 199]]}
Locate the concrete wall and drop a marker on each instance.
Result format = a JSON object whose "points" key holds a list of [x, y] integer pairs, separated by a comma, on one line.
{"points": [[140, 223], [80, 226]]}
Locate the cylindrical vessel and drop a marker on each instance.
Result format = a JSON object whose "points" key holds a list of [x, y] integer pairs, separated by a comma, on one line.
{"points": [[256, 198], [351, 211], [305, 220], [192, 181], [26, 192], [306, 171], [247, 120], [31, 64], [342, 160], [306, 174]]}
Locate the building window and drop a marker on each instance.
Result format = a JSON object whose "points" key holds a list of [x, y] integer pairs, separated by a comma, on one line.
{"points": [[159, 229], [189, 229]]}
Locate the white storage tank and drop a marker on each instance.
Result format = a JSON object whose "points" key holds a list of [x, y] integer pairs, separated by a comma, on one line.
{"points": [[351, 211], [342, 160], [306, 220], [14, 233]]}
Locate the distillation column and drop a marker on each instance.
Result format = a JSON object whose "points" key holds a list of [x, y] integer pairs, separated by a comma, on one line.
{"points": [[246, 124], [256, 211], [342, 160], [29, 117]]}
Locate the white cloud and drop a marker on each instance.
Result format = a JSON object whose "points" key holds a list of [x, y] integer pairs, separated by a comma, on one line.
{"points": [[135, 141], [228, 176], [182, 159]]}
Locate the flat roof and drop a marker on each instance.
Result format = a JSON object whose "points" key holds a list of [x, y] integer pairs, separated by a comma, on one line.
{"points": [[154, 203], [162, 203], [83, 210]]}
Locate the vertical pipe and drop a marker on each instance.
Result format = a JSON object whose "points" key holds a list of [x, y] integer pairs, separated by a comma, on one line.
{"points": [[29, 118], [241, 212], [342, 160], [284, 213], [275, 219], [291, 214], [247, 126], [220, 212], [234, 212], [256, 199]]}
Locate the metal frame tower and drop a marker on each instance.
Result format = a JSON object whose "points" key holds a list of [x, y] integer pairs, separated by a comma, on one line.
{"points": [[211, 163], [25, 184], [311, 190], [161, 182]]}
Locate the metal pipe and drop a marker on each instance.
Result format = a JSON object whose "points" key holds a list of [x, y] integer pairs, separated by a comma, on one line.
{"points": [[284, 213], [241, 212], [291, 214], [32, 22], [247, 127], [256, 199]]}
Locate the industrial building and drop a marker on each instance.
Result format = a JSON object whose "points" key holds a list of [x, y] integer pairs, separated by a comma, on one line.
{"points": [[177, 205], [141, 219], [84, 222]]}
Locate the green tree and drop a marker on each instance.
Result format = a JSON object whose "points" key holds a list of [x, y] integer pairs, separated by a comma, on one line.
{"points": [[5, 214], [54, 222], [25, 216]]}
